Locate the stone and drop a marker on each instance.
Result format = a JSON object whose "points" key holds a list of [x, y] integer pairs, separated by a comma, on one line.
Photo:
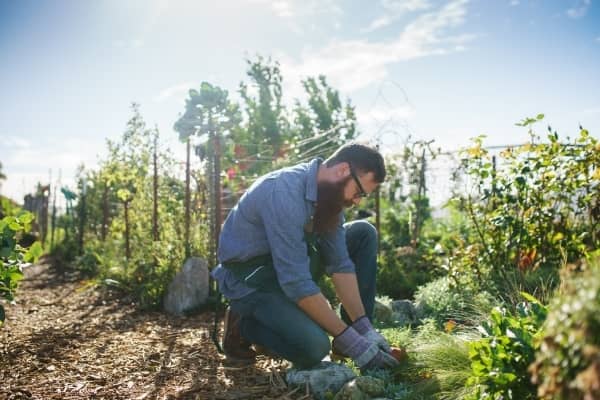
{"points": [[325, 379], [382, 313], [421, 309], [189, 288], [405, 306], [403, 312], [361, 388]]}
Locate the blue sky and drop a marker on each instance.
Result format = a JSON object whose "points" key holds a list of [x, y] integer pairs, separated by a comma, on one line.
{"points": [[443, 70]]}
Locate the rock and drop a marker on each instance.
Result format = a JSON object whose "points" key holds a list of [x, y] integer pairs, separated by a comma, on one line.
{"points": [[403, 312], [403, 306], [382, 313], [361, 388], [421, 310], [189, 288], [327, 377]]}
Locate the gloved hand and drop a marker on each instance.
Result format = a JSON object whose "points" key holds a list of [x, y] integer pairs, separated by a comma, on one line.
{"points": [[365, 354], [364, 327]]}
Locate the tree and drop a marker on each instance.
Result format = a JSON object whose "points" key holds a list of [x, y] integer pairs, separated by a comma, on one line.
{"points": [[209, 113], [324, 123]]}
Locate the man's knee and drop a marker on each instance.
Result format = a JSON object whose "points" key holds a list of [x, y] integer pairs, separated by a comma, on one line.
{"points": [[316, 348], [363, 232]]}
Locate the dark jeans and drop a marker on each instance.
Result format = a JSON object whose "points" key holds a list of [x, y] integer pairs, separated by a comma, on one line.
{"points": [[274, 321]]}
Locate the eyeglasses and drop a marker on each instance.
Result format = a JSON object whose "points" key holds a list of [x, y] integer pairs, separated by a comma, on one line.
{"points": [[362, 192]]}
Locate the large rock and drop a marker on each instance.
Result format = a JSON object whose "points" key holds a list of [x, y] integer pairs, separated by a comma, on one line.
{"points": [[361, 388], [382, 313], [325, 378], [403, 312], [189, 288]]}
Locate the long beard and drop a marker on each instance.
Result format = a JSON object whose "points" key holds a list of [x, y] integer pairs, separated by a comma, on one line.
{"points": [[330, 203]]}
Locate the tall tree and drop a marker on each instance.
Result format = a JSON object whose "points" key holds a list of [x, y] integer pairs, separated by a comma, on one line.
{"points": [[267, 122], [324, 123], [209, 113]]}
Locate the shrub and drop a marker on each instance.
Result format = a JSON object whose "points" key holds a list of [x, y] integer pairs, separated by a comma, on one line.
{"points": [[13, 255], [568, 363], [441, 301], [499, 361]]}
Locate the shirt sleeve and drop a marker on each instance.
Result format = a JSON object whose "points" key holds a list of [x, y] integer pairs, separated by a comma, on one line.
{"points": [[284, 216], [335, 251]]}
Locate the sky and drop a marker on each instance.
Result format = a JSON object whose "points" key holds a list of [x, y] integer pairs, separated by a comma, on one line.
{"points": [[435, 70]]}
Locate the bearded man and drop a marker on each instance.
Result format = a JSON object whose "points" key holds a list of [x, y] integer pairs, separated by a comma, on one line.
{"points": [[286, 230]]}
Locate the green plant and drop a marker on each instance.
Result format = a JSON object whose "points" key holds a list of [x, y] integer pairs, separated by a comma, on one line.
{"points": [[442, 301], [13, 255], [438, 365], [531, 207], [567, 366], [499, 360]]}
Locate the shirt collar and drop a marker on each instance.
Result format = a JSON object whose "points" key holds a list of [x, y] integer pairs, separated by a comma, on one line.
{"points": [[311, 182]]}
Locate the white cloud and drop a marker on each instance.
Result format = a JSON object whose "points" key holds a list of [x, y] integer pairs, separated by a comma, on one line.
{"points": [[394, 9], [514, 2], [580, 9], [179, 90], [306, 8], [15, 142], [23, 169], [354, 64], [598, 39]]}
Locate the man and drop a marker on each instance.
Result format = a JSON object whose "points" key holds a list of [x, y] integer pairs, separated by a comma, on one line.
{"points": [[285, 230]]}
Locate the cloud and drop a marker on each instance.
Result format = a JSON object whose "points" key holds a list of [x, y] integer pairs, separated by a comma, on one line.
{"points": [[354, 64], [394, 9], [514, 2], [15, 142], [580, 9], [179, 90], [306, 8]]}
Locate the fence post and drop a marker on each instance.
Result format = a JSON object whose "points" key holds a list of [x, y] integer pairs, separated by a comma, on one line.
{"points": [[187, 199], [155, 190]]}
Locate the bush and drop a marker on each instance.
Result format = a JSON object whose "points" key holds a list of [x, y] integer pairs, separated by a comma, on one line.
{"points": [[531, 207], [568, 363], [441, 301], [500, 360], [13, 255]]}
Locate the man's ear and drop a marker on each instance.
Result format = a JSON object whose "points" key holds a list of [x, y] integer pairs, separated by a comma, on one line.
{"points": [[342, 170]]}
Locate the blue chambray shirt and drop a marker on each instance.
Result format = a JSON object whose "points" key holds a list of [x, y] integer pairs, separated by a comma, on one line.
{"points": [[270, 218]]}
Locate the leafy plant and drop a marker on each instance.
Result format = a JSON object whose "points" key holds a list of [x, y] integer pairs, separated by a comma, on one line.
{"points": [[13, 255], [531, 207], [499, 361], [567, 366], [442, 301]]}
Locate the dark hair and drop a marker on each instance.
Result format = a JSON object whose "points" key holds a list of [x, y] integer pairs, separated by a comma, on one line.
{"points": [[362, 158]]}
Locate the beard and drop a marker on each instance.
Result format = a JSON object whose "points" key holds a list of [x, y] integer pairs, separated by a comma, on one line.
{"points": [[330, 203]]}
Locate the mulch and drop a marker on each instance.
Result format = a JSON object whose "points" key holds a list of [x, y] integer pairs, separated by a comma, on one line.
{"points": [[67, 338]]}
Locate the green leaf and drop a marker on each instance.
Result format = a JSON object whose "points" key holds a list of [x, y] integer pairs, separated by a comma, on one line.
{"points": [[15, 226], [34, 252], [26, 218], [530, 298]]}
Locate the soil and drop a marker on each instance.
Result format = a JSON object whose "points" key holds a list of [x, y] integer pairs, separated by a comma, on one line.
{"points": [[68, 338]]}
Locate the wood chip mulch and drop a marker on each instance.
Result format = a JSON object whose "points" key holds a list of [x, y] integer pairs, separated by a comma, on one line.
{"points": [[66, 338]]}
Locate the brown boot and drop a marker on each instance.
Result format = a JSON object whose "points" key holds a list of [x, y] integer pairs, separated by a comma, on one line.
{"points": [[236, 348]]}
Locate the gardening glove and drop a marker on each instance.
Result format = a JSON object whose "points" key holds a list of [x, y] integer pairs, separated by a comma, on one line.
{"points": [[364, 327], [365, 354]]}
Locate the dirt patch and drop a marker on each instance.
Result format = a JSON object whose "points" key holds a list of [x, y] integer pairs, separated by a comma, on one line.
{"points": [[66, 338]]}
